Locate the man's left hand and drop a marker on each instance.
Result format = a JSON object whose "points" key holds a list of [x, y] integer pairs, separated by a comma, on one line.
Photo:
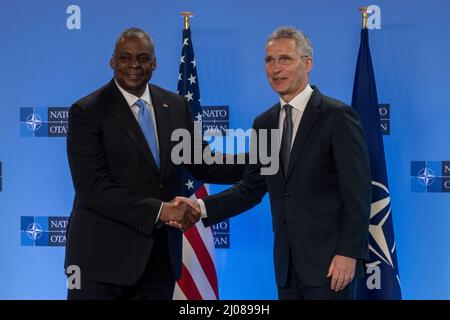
{"points": [[341, 271]]}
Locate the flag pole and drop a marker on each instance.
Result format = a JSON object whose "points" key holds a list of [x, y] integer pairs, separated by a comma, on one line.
{"points": [[364, 12], [186, 15]]}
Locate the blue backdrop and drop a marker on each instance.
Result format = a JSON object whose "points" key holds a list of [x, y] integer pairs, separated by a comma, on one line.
{"points": [[47, 64]]}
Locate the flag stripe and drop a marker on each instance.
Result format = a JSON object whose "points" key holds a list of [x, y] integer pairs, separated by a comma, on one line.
{"points": [[201, 192], [204, 258], [193, 265], [205, 232], [188, 285], [178, 294]]}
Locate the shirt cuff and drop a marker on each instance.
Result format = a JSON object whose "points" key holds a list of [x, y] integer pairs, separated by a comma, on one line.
{"points": [[203, 208], [160, 208]]}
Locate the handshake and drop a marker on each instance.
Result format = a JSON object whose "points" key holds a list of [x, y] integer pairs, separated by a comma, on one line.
{"points": [[180, 213]]}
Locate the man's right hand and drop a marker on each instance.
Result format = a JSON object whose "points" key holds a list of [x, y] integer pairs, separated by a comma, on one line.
{"points": [[182, 201], [192, 203], [180, 213]]}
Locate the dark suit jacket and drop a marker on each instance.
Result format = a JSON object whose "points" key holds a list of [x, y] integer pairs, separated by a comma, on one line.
{"points": [[322, 207], [118, 187]]}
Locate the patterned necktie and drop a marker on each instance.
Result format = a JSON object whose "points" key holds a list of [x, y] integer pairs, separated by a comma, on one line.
{"points": [[286, 139], [148, 128]]}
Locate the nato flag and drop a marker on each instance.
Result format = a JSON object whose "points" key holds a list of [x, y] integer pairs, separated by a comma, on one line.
{"points": [[382, 280]]}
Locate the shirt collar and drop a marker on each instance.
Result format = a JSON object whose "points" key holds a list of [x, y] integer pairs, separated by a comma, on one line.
{"points": [[299, 102], [131, 98]]}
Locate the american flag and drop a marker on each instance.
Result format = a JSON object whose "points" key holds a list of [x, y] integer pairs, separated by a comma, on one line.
{"points": [[198, 276]]}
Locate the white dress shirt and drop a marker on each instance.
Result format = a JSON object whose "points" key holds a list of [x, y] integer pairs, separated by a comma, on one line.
{"points": [[298, 104]]}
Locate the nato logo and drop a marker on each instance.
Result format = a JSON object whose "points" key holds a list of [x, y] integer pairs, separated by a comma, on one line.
{"points": [[215, 120], [430, 176], [43, 231], [384, 111], [221, 233], [44, 122], [1, 177]]}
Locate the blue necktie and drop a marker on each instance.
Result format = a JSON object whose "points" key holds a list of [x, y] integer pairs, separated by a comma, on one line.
{"points": [[148, 128]]}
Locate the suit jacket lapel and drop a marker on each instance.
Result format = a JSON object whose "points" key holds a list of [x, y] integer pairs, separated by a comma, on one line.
{"points": [[273, 123], [123, 114], [307, 122], [162, 126]]}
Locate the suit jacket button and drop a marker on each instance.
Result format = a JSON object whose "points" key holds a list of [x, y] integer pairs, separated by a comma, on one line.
{"points": [[161, 186], [287, 195]]}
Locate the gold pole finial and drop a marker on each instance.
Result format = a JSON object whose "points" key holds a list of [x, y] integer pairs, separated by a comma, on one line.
{"points": [[186, 15], [364, 13]]}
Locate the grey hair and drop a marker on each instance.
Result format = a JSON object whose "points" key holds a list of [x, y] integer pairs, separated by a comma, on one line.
{"points": [[302, 43], [135, 33]]}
